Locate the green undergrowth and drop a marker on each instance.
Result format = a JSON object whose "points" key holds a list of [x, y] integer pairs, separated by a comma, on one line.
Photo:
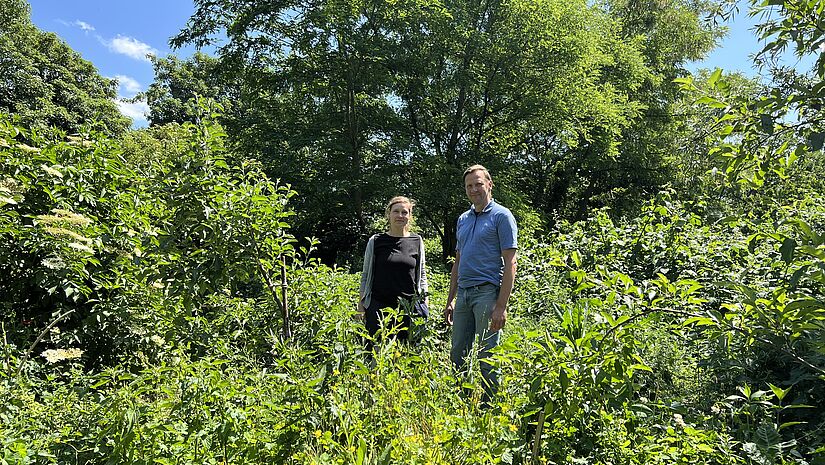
{"points": [[156, 309]]}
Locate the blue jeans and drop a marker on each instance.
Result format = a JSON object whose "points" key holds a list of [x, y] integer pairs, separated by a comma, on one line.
{"points": [[471, 321]]}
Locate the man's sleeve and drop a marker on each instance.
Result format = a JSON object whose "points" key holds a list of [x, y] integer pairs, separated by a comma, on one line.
{"points": [[507, 231]]}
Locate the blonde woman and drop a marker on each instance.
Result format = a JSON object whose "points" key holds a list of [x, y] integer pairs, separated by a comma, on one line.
{"points": [[395, 272]]}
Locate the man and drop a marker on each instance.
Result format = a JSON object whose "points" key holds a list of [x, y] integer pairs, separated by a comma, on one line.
{"points": [[482, 276]]}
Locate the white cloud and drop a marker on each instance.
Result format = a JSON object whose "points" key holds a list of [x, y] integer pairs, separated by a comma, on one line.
{"points": [[84, 25], [130, 47], [128, 86], [135, 110]]}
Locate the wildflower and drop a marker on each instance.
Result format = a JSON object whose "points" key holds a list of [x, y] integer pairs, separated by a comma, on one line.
{"points": [[157, 340], [57, 355], [65, 232], [69, 216], [81, 247], [51, 171], [317, 434], [65, 217], [513, 427], [27, 148], [53, 263], [677, 418]]}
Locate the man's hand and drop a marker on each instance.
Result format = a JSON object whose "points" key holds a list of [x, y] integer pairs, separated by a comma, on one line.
{"points": [[448, 312], [498, 317]]}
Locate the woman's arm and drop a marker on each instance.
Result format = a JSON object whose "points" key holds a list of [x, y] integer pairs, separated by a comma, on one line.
{"points": [[423, 286], [366, 275]]}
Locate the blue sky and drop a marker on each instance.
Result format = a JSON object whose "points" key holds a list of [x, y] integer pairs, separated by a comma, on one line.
{"points": [[115, 36]]}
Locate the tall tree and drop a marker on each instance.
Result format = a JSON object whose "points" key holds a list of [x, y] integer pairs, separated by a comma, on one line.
{"points": [[315, 97], [510, 84], [636, 160], [348, 97], [172, 97], [47, 83]]}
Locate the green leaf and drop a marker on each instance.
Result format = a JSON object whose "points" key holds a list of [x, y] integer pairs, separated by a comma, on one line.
{"points": [[386, 455], [507, 456], [699, 321], [564, 381], [804, 304], [791, 423], [361, 452], [714, 77], [711, 102], [576, 258], [640, 366], [787, 249], [766, 121], [778, 391], [816, 140]]}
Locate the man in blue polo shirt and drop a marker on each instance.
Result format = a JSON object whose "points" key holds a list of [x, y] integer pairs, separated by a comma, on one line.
{"points": [[482, 276]]}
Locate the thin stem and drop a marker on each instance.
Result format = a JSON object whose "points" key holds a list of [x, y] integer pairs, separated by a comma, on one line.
{"points": [[39, 338]]}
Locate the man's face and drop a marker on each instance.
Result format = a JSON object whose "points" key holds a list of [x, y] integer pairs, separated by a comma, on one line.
{"points": [[479, 189]]}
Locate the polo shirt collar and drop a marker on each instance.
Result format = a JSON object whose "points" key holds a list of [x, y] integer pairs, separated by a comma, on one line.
{"points": [[485, 209]]}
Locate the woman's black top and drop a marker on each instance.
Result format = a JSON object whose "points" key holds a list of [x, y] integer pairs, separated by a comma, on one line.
{"points": [[395, 267]]}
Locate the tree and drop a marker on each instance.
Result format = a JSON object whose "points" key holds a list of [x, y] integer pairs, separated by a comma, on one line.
{"points": [[668, 34], [316, 104], [360, 97], [172, 96], [760, 135], [47, 83]]}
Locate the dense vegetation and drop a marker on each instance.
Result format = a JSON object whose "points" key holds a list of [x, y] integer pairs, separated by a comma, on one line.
{"points": [[158, 306]]}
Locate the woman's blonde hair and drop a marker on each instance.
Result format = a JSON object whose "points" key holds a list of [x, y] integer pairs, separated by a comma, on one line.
{"points": [[399, 199]]}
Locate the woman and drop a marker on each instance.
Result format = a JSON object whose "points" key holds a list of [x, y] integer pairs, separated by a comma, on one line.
{"points": [[395, 273]]}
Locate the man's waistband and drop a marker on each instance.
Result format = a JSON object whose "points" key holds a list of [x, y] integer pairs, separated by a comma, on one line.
{"points": [[478, 287]]}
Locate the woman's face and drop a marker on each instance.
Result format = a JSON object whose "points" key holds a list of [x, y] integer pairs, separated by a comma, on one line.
{"points": [[400, 215]]}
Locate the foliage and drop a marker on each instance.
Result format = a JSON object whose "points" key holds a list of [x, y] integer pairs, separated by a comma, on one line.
{"points": [[47, 83], [742, 298], [146, 277], [129, 248], [364, 100], [589, 376], [173, 96]]}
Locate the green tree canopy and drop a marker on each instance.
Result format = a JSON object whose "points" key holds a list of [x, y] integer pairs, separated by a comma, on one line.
{"points": [[47, 83], [172, 97], [355, 101]]}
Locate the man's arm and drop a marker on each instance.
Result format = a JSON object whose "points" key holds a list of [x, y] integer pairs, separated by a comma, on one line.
{"points": [[448, 308], [499, 316]]}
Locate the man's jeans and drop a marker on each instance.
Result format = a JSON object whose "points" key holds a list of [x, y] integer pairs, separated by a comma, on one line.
{"points": [[471, 320]]}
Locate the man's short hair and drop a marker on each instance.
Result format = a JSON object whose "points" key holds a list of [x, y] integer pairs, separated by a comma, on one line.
{"points": [[478, 168]]}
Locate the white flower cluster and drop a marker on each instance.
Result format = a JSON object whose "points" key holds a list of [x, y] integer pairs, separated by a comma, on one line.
{"points": [[57, 355], [64, 217]]}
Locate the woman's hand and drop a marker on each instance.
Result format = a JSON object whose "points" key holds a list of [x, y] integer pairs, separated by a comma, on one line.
{"points": [[359, 315]]}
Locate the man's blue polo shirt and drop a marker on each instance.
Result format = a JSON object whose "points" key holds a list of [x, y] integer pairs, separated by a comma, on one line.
{"points": [[481, 238]]}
